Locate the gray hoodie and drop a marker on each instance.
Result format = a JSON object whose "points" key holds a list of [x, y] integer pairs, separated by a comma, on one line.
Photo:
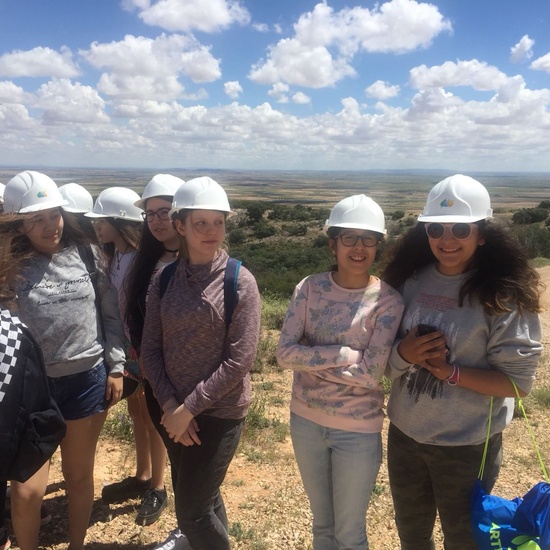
{"points": [[432, 412], [57, 302]]}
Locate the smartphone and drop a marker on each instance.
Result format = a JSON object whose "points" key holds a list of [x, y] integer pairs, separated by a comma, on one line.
{"points": [[423, 328]]}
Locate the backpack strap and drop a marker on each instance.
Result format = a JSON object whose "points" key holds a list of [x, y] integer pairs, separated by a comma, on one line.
{"points": [[166, 275], [230, 286], [87, 256]]}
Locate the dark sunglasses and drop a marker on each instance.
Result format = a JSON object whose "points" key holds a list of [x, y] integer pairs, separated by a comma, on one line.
{"points": [[459, 231], [162, 214], [348, 239]]}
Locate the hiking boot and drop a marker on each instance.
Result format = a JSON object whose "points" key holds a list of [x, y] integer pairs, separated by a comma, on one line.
{"points": [[176, 541], [5, 542], [124, 490], [152, 505]]}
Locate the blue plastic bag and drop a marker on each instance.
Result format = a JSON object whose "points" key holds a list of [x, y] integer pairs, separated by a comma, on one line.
{"points": [[518, 524]]}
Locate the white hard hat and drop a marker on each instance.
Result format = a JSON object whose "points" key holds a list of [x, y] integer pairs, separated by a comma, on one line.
{"points": [[79, 199], [2, 187], [117, 202], [162, 185], [201, 194], [357, 212], [457, 198], [31, 191]]}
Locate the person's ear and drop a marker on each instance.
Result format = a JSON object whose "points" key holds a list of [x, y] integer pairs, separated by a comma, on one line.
{"points": [[179, 227]]}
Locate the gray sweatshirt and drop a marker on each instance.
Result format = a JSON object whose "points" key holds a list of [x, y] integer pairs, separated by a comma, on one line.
{"points": [[184, 338], [427, 409], [57, 302]]}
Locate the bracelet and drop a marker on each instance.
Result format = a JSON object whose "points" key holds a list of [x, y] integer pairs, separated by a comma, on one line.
{"points": [[454, 378]]}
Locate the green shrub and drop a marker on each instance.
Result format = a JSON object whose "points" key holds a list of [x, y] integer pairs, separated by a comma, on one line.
{"points": [[262, 230], [237, 236], [529, 215], [534, 239], [296, 230], [266, 358], [397, 215], [273, 311], [118, 423]]}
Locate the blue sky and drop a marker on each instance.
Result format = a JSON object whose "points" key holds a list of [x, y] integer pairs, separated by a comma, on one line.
{"points": [[292, 84]]}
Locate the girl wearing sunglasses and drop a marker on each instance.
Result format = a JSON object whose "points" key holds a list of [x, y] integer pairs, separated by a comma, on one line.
{"points": [[336, 337], [470, 325]]}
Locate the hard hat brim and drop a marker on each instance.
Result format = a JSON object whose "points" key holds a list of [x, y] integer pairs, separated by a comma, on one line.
{"points": [[42, 206], [451, 219], [365, 227], [173, 211]]}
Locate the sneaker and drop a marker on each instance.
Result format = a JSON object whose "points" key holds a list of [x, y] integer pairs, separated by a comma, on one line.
{"points": [[124, 490], [176, 541], [5, 542], [152, 505]]}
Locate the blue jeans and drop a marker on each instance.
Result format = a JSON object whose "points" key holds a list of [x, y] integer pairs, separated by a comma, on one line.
{"points": [[198, 472], [338, 470], [81, 395]]}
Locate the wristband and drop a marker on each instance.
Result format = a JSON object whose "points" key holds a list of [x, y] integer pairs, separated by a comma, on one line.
{"points": [[454, 378]]}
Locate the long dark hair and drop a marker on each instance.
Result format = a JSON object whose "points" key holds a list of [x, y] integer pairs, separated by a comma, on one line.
{"points": [[499, 275], [10, 261], [149, 251], [130, 231]]}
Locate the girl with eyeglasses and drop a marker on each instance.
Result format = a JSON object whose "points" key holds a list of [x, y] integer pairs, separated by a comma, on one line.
{"points": [[158, 247], [132, 256], [470, 325], [337, 337]]}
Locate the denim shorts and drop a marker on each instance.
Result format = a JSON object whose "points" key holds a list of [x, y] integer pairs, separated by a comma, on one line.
{"points": [[82, 394]]}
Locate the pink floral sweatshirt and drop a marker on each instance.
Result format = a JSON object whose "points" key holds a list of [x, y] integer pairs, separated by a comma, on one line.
{"points": [[337, 341]]}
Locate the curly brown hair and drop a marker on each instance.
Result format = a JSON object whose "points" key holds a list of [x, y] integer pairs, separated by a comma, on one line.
{"points": [[500, 276]]}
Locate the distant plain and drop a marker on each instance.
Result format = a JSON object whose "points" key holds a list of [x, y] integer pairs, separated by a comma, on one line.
{"points": [[393, 190]]}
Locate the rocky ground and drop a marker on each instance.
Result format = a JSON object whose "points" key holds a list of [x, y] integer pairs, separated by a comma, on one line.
{"points": [[266, 504]]}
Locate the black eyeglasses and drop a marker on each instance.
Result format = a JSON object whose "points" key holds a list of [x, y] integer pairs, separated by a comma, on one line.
{"points": [[349, 239], [459, 231], [163, 214]]}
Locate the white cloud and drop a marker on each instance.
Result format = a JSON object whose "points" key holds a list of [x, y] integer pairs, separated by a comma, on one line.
{"points": [[144, 68], [438, 128], [295, 63], [64, 102], [382, 90], [523, 50], [479, 75], [38, 62], [324, 42], [279, 91], [541, 64], [232, 89], [11, 93], [190, 15], [301, 99], [260, 27]]}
